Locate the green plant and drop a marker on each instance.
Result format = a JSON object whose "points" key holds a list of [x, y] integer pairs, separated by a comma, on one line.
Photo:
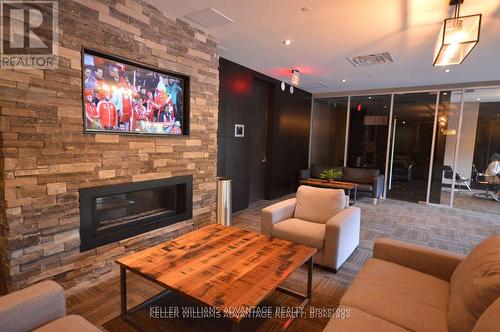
{"points": [[331, 174]]}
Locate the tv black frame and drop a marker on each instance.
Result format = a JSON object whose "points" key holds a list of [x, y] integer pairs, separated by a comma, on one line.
{"points": [[186, 93]]}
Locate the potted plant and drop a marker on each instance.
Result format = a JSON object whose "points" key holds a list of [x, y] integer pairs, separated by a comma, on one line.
{"points": [[331, 174]]}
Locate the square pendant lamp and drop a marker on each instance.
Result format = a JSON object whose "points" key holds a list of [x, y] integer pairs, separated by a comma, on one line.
{"points": [[457, 38]]}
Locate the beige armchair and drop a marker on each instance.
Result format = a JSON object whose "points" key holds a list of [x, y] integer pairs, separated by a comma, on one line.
{"points": [[40, 308], [317, 217]]}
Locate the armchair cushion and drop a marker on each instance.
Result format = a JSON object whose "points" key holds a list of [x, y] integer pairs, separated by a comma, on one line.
{"points": [[318, 204], [436, 262], [316, 170], [300, 231], [490, 319], [360, 321], [71, 323], [413, 300], [31, 307], [365, 187], [360, 175], [475, 285]]}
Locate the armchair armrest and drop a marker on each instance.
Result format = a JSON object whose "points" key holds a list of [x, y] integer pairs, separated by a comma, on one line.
{"points": [[378, 186], [436, 262], [276, 213], [32, 307], [342, 235], [304, 174]]}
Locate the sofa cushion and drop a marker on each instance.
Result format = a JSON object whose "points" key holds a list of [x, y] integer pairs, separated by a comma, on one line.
{"points": [[360, 175], [490, 319], [365, 187], [318, 204], [300, 231], [360, 321], [475, 284], [405, 297], [71, 323]]}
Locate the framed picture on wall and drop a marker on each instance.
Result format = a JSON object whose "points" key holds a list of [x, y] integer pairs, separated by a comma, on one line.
{"points": [[239, 130]]}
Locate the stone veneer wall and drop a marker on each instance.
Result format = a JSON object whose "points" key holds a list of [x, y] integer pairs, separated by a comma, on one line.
{"points": [[46, 157]]}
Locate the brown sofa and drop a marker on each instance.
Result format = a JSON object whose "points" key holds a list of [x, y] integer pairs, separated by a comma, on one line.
{"points": [[406, 287], [370, 182], [40, 308]]}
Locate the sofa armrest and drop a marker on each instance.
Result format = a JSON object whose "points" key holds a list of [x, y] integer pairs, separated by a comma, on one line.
{"points": [[436, 262], [304, 174], [378, 186], [342, 235], [276, 213], [31, 307]]}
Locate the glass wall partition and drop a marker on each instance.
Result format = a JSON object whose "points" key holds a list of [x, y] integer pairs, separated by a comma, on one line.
{"points": [[477, 164], [446, 133], [368, 129], [411, 140], [441, 148], [328, 131]]}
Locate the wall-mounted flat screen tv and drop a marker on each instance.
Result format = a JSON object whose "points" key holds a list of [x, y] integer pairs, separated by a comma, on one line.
{"points": [[120, 96]]}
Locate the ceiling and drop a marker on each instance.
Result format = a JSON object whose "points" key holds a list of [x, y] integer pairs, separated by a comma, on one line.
{"points": [[333, 30]]}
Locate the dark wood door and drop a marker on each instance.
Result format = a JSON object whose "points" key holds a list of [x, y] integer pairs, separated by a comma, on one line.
{"points": [[257, 135]]}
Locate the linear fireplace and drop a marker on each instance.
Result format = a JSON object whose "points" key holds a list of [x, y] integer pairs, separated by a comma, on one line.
{"points": [[112, 213]]}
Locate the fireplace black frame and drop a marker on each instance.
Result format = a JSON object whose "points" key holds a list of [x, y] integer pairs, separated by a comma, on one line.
{"points": [[90, 238]]}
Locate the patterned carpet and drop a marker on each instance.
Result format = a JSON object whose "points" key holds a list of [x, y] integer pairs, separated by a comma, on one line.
{"points": [[451, 229]]}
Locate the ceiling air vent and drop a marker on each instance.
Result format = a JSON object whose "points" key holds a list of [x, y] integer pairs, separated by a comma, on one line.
{"points": [[372, 59], [209, 18]]}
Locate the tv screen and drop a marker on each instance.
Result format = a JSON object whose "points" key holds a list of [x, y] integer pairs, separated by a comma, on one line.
{"points": [[123, 97]]}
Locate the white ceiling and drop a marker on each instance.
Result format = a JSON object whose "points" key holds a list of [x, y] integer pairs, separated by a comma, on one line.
{"points": [[335, 29]]}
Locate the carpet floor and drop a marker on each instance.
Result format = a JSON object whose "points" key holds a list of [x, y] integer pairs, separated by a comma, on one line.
{"points": [[450, 229]]}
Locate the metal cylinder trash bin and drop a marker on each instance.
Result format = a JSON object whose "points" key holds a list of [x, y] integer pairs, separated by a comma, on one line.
{"points": [[224, 201]]}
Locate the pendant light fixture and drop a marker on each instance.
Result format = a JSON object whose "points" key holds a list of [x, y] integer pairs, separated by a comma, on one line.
{"points": [[457, 38]]}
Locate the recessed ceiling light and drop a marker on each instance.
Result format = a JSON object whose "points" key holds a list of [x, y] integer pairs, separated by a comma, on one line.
{"points": [[447, 70], [343, 81], [287, 42], [444, 93], [305, 9], [478, 99], [369, 97]]}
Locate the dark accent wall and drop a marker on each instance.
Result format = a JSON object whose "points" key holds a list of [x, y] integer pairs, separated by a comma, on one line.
{"points": [[287, 134]]}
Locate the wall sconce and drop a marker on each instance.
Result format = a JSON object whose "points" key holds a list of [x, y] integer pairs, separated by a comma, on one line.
{"points": [[457, 38]]}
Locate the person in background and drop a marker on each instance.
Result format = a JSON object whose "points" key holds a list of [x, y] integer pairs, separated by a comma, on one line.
{"points": [[92, 116], [108, 117], [494, 170], [90, 80]]}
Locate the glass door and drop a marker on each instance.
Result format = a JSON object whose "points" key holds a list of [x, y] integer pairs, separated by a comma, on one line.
{"points": [[412, 127], [446, 128], [368, 128], [477, 162]]}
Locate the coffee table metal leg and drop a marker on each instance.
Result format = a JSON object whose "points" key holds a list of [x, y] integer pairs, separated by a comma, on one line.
{"points": [[309, 278], [306, 298]]}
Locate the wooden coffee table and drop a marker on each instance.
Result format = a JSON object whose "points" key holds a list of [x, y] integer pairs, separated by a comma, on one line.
{"points": [[347, 186], [227, 268]]}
